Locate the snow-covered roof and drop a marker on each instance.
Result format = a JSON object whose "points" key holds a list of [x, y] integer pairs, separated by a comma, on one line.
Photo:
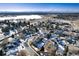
{"points": [[27, 17]]}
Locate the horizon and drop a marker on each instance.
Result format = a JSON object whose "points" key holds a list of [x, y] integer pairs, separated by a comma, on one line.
{"points": [[35, 12]]}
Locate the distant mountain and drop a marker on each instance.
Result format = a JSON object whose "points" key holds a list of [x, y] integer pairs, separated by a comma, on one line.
{"points": [[33, 13]]}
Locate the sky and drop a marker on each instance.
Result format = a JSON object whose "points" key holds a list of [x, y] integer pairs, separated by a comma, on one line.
{"points": [[44, 7]]}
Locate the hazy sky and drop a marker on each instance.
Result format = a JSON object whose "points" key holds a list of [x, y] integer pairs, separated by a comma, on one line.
{"points": [[52, 7]]}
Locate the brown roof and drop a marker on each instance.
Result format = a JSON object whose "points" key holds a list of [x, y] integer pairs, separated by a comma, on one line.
{"points": [[23, 53]]}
